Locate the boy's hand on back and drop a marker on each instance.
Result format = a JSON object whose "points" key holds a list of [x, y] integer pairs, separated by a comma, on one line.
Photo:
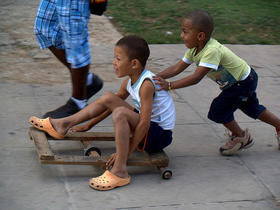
{"points": [[161, 82]]}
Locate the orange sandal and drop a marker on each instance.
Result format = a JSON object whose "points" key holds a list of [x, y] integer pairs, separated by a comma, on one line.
{"points": [[45, 125], [108, 181]]}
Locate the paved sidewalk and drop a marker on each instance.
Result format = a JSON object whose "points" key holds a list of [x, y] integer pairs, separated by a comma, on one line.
{"points": [[32, 82]]}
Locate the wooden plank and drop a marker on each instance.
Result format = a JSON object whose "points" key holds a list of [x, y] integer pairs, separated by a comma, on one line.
{"points": [[77, 160], [160, 159], [88, 136], [101, 161], [46, 156], [41, 144]]}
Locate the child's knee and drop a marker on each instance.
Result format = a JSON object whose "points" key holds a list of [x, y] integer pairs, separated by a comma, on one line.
{"points": [[253, 111], [107, 97], [119, 114], [219, 117], [211, 116]]}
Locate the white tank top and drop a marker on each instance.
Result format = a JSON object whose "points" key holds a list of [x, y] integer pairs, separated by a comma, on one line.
{"points": [[163, 110]]}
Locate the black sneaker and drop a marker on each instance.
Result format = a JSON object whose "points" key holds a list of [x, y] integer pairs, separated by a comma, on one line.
{"points": [[66, 110], [71, 107], [95, 86]]}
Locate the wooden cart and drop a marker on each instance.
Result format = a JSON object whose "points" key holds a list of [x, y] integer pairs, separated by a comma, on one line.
{"points": [[92, 155]]}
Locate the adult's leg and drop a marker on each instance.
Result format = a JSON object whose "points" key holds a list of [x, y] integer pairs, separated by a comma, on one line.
{"points": [[60, 55], [79, 80], [84, 86], [75, 38], [78, 75], [76, 56]]}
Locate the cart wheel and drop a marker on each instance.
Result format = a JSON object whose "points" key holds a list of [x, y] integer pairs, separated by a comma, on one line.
{"points": [[92, 151], [166, 173]]}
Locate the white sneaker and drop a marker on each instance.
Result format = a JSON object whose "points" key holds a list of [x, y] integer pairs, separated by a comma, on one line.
{"points": [[235, 144]]}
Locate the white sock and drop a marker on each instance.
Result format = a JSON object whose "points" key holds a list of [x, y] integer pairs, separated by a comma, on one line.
{"points": [[80, 103], [89, 79]]}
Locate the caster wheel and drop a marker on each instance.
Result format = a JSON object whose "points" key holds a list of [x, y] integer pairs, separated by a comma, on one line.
{"points": [[166, 173], [92, 151]]}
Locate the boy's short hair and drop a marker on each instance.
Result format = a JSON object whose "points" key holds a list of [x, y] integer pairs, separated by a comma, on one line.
{"points": [[135, 47], [202, 21]]}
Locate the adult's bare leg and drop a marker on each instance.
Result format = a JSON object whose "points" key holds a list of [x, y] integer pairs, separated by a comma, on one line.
{"points": [[60, 55]]}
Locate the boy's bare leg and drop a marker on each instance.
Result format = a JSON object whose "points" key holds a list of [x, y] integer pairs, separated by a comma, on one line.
{"points": [[269, 118], [107, 101], [266, 116], [234, 128], [125, 121]]}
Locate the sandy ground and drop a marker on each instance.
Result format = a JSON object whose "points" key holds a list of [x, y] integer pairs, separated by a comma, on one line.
{"points": [[23, 61]]}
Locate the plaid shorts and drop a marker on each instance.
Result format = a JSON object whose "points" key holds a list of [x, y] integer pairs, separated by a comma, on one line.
{"points": [[64, 25]]}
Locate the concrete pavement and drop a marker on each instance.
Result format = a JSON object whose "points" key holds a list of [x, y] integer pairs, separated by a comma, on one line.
{"points": [[202, 179]]}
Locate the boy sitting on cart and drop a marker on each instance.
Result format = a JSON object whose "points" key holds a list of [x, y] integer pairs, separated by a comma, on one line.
{"points": [[149, 122]]}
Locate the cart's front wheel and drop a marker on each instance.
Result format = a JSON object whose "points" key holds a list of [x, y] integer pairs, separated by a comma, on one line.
{"points": [[92, 151]]}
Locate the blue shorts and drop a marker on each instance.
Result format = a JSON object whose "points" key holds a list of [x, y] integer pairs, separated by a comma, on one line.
{"points": [[64, 25], [157, 138], [242, 95]]}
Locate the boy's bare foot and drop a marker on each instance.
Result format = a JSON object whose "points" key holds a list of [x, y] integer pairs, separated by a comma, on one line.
{"points": [[121, 174], [60, 126], [80, 128]]}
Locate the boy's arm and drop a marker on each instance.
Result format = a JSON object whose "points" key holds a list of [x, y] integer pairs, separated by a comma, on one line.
{"points": [[146, 94], [172, 71], [122, 93], [192, 79]]}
